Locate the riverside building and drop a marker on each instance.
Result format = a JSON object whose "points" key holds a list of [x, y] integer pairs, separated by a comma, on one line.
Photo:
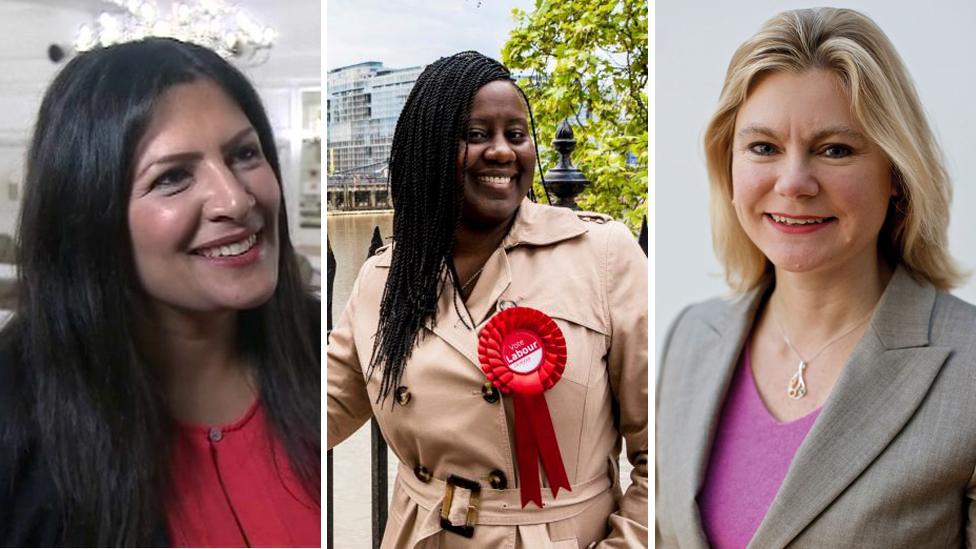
{"points": [[364, 103]]}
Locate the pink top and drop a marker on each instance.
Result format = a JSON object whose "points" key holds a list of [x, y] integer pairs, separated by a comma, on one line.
{"points": [[750, 457], [232, 486]]}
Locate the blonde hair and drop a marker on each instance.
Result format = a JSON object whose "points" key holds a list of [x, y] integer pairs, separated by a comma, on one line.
{"points": [[883, 101]]}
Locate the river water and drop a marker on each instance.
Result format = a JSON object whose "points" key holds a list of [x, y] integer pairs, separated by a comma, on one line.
{"points": [[349, 236]]}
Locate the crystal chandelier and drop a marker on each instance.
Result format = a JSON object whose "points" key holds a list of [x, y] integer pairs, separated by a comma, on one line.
{"points": [[225, 29]]}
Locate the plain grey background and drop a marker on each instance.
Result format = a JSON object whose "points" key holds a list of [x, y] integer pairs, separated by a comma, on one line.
{"points": [[696, 40]]}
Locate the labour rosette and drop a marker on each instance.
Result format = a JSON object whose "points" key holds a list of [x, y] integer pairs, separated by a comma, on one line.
{"points": [[523, 353]]}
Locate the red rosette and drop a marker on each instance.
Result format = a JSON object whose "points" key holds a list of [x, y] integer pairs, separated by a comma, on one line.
{"points": [[498, 342], [523, 353]]}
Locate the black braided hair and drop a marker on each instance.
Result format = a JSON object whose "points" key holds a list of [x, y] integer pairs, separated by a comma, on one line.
{"points": [[427, 201]]}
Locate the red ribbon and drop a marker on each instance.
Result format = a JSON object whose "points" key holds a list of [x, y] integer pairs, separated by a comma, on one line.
{"points": [[523, 353]]}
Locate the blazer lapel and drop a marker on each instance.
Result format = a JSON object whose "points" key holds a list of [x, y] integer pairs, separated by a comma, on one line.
{"points": [[883, 382], [720, 351]]}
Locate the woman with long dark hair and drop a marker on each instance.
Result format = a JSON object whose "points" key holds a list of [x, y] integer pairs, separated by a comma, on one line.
{"points": [[477, 271], [159, 381]]}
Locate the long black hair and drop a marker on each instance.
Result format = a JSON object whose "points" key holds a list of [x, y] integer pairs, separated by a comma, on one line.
{"points": [[427, 201], [95, 405]]}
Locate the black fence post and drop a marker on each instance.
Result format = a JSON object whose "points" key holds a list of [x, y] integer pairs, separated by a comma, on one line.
{"points": [[378, 451], [329, 511], [642, 239], [330, 262], [565, 180], [379, 466], [376, 242]]}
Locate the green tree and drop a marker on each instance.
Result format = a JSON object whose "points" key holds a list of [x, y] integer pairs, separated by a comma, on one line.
{"points": [[586, 60]]}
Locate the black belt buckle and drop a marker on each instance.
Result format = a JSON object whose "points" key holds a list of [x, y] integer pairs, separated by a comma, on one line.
{"points": [[471, 518]]}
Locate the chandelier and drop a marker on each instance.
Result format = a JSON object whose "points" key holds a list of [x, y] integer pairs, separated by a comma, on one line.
{"points": [[214, 24]]}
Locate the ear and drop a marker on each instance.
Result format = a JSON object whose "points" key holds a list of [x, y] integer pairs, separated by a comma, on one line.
{"points": [[897, 182]]}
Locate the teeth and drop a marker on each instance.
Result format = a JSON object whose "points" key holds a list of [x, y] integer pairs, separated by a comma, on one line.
{"points": [[494, 180], [228, 250], [791, 221]]}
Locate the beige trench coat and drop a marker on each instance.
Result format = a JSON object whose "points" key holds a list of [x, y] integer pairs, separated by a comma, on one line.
{"points": [[589, 275]]}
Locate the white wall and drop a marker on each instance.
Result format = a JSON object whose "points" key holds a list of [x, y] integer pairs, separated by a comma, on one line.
{"points": [[695, 41], [28, 27], [26, 31], [295, 65]]}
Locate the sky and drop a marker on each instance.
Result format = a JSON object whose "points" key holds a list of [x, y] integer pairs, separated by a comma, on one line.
{"points": [[403, 33]]}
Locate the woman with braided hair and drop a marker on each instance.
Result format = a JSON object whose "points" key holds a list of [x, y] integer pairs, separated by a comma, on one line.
{"points": [[479, 279]]}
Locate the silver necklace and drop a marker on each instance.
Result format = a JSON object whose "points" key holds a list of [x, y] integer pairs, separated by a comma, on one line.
{"points": [[460, 290], [473, 277], [797, 388]]}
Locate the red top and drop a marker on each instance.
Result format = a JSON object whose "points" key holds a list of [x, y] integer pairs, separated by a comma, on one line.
{"points": [[233, 487]]}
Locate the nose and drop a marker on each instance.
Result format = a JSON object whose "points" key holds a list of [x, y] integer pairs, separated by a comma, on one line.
{"points": [[228, 198], [796, 180], [499, 150]]}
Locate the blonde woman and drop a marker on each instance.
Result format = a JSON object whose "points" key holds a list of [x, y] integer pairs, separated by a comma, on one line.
{"points": [[830, 403]]}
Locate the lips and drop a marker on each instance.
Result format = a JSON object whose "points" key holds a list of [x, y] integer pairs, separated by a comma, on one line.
{"points": [[231, 246], [799, 220], [496, 180], [798, 224], [230, 250]]}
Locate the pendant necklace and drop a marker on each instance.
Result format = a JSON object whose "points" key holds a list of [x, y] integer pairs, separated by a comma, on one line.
{"points": [[797, 388]]}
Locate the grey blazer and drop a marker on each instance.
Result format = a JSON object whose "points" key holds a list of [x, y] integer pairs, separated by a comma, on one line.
{"points": [[889, 462]]}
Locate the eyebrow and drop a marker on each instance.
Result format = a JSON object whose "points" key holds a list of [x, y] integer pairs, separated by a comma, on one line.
{"points": [[514, 119], [225, 149], [821, 134]]}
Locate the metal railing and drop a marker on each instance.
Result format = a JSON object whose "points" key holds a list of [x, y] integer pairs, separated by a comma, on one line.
{"points": [[378, 448]]}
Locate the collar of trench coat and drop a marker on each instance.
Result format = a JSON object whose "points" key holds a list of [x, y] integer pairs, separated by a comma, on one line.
{"points": [[532, 227]]}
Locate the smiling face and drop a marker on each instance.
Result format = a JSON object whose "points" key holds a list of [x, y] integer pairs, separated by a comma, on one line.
{"points": [[204, 205], [497, 172], [809, 188]]}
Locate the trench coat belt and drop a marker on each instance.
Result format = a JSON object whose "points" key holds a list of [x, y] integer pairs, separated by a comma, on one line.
{"points": [[504, 507]]}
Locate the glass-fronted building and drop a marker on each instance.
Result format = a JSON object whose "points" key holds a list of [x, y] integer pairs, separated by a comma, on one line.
{"points": [[364, 103]]}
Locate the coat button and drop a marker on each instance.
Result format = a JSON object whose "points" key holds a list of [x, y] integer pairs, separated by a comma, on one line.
{"points": [[403, 395], [505, 304], [422, 473], [498, 480], [489, 393]]}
